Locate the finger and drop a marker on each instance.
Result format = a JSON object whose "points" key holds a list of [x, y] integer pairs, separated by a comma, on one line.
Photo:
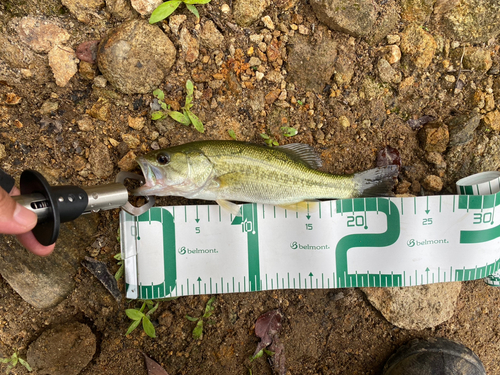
{"points": [[29, 241], [14, 218]]}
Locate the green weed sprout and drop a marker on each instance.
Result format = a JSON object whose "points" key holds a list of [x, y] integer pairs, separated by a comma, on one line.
{"points": [[288, 131], [13, 360], [269, 141], [186, 117], [198, 330], [138, 315], [167, 8], [120, 271]]}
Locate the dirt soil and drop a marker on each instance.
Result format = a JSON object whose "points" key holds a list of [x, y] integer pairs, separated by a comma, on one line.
{"points": [[324, 331]]}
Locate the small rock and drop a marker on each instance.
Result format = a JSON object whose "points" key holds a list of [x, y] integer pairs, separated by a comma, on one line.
{"points": [[210, 37], [3, 153], [100, 81], [492, 120], [87, 51], [100, 110], [344, 121], [100, 161], [417, 307], [387, 73], [274, 76], [303, 30], [417, 11], [392, 54], [462, 128], [393, 39], [84, 11], [246, 12], [78, 163], [432, 183], [85, 124], [62, 350], [256, 38], [41, 35], [434, 136], [136, 123], [418, 46], [63, 62], [48, 107], [268, 22], [435, 158], [121, 9], [175, 21], [87, 70], [259, 75], [135, 56], [311, 67], [145, 7], [254, 61], [272, 96], [131, 141], [478, 59], [344, 69], [225, 8], [128, 163], [273, 52], [189, 44]]}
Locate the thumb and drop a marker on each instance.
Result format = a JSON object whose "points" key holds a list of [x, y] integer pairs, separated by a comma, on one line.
{"points": [[14, 218]]}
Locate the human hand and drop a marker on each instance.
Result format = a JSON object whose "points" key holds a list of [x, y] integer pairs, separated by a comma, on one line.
{"points": [[18, 220]]}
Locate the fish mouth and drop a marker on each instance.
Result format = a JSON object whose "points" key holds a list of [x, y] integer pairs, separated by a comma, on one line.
{"points": [[152, 177]]}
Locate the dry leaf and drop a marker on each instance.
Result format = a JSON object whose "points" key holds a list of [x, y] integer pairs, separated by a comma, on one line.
{"points": [[266, 327], [153, 367]]}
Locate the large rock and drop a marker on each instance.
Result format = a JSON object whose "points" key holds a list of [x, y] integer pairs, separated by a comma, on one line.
{"points": [[473, 21], [44, 282], [310, 67], [135, 56], [417, 307], [418, 47], [362, 18], [62, 350]]}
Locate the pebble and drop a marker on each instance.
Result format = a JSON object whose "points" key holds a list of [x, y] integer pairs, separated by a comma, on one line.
{"points": [[256, 38], [128, 163], [87, 51], [254, 61], [131, 140], [392, 54], [101, 110], [435, 158], [41, 35], [274, 76], [462, 128], [48, 107], [100, 161], [190, 45], [175, 21], [418, 307], [259, 75], [210, 36], [121, 9], [434, 136], [63, 62], [268, 22], [100, 81], [84, 11], [246, 12], [492, 120], [344, 121], [135, 56], [85, 124], [3, 153], [418, 46], [225, 8], [387, 73], [450, 78], [303, 30], [136, 123], [145, 7], [477, 59], [272, 96], [62, 350], [432, 183], [87, 70], [393, 39]]}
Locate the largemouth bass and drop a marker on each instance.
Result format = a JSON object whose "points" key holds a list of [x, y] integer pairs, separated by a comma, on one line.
{"points": [[226, 171]]}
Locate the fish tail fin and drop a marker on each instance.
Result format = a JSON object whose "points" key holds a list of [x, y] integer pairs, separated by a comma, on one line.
{"points": [[376, 182]]}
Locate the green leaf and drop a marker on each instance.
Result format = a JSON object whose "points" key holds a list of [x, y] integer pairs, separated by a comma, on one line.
{"points": [[25, 364], [265, 136], [159, 94], [198, 330], [232, 134], [164, 105], [157, 115], [133, 326], [153, 309], [134, 314], [118, 256], [119, 273], [180, 117], [193, 10], [148, 327], [191, 319], [258, 355], [196, 1], [209, 308], [268, 352], [189, 87], [196, 121], [164, 10], [189, 96], [288, 131]]}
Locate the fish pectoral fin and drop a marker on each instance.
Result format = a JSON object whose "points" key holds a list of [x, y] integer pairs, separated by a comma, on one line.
{"points": [[229, 206], [303, 207]]}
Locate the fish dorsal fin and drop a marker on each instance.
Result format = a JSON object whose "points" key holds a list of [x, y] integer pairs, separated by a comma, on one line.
{"points": [[302, 153]]}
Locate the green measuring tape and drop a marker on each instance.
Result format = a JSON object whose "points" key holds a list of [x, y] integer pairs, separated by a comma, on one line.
{"points": [[383, 242]]}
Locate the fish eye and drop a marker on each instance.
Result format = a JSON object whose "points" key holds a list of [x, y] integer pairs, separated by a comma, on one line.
{"points": [[163, 159]]}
